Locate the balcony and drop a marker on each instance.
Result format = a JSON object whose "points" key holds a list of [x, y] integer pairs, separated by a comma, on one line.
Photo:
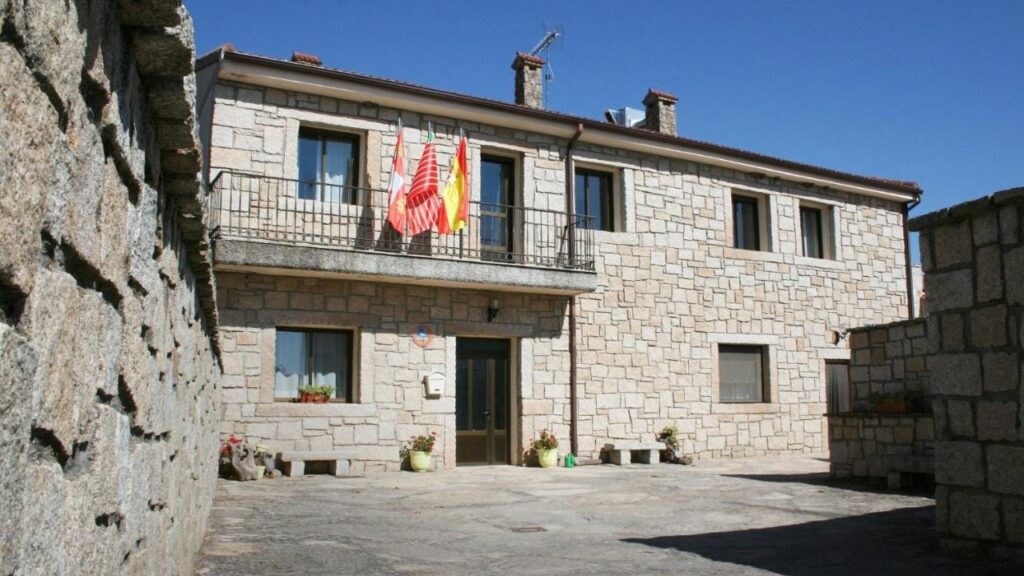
{"points": [[280, 226]]}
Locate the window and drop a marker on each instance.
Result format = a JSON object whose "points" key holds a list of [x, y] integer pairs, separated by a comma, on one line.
{"points": [[328, 166], [746, 222], [741, 374], [595, 200], [497, 201], [812, 232], [313, 358]]}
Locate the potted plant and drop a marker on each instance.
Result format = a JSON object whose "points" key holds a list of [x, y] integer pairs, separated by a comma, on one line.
{"points": [[264, 459], [888, 402], [546, 447], [315, 394], [418, 451]]}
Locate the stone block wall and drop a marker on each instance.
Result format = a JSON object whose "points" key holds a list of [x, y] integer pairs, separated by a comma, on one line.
{"points": [[881, 446], [109, 396], [886, 359], [973, 258], [389, 403], [670, 286]]}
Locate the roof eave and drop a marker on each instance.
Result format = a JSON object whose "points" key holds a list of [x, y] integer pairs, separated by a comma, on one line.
{"points": [[254, 69]]}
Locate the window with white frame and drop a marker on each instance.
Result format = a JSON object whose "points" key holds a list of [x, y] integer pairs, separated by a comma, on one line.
{"points": [[305, 357], [328, 166], [816, 231], [749, 222], [595, 199], [742, 374]]}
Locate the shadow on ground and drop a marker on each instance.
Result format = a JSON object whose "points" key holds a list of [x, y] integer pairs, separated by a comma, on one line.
{"points": [[900, 542], [922, 488]]}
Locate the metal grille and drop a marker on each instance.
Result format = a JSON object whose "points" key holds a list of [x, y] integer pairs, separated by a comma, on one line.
{"points": [[252, 207]]}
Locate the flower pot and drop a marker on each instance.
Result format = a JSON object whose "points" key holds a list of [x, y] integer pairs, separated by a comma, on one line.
{"points": [[891, 406], [547, 458], [260, 471], [419, 461], [306, 397]]}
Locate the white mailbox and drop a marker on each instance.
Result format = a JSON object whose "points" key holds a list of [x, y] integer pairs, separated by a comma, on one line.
{"points": [[434, 384]]}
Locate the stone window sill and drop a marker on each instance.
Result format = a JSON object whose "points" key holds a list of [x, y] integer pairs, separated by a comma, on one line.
{"points": [[298, 409], [739, 408], [820, 263], [759, 255]]}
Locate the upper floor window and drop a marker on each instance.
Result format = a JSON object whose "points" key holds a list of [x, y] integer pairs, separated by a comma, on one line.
{"points": [[497, 206], [817, 226], [313, 358], [328, 166], [746, 222], [811, 232], [595, 199]]}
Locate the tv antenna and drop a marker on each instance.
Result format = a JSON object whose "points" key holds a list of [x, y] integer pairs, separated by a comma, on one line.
{"points": [[552, 33]]}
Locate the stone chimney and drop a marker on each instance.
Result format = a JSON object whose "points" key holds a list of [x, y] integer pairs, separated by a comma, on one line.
{"points": [[661, 112], [529, 80]]}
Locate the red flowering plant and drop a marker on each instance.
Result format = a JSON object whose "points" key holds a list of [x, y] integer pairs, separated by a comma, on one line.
{"points": [[420, 444], [546, 441], [225, 451]]}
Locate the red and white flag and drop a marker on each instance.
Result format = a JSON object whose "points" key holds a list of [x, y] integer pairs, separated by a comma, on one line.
{"points": [[423, 201], [396, 188]]}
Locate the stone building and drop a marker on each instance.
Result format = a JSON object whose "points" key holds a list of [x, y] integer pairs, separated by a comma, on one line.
{"points": [[614, 279], [109, 377]]}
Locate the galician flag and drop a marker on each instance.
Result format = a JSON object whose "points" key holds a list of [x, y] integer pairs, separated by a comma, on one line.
{"points": [[423, 202], [396, 188], [455, 211]]}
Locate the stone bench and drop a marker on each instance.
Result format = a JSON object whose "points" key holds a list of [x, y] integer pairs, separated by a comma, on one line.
{"points": [[621, 453], [337, 461]]}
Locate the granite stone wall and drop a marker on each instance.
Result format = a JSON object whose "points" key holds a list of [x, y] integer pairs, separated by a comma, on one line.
{"points": [[109, 396], [885, 359], [973, 258], [888, 358], [671, 288]]}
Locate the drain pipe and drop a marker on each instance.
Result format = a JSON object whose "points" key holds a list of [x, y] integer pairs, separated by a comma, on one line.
{"points": [[570, 216], [906, 253]]}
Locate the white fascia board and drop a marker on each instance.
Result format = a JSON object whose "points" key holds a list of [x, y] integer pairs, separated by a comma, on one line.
{"points": [[354, 91]]}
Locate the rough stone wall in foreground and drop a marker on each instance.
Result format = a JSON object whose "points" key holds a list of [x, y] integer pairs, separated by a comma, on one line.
{"points": [[973, 258], [109, 396]]}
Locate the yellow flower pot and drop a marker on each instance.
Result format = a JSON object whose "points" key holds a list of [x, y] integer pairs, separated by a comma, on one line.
{"points": [[548, 458], [419, 461]]}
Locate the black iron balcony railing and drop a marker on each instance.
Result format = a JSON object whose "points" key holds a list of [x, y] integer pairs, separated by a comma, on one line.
{"points": [[253, 207]]}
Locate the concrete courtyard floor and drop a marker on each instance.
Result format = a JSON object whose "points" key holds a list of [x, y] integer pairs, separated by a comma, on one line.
{"points": [[777, 515]]}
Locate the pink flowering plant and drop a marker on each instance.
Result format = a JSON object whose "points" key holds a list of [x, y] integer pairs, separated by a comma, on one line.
{"points": [[546, 441], [421, 443]]}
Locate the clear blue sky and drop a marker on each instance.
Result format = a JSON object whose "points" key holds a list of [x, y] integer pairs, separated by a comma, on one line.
{"points": [[924, 91]]}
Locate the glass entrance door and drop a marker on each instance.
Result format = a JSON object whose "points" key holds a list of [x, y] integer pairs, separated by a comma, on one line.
{"points": [[481, 401]]}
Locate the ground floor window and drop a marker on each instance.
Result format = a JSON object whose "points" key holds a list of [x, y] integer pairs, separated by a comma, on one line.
{"points": [[313, 358], [741, 374]]}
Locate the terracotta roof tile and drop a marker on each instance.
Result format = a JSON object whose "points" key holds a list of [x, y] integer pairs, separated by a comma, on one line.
{"points": [[901, 186]]}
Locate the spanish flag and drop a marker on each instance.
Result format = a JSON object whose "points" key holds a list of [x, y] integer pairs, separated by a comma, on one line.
{"points": [[455, 212]]}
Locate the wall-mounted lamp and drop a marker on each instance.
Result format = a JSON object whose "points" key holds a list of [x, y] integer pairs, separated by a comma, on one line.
{"points": [[836, 337], [492, 310]]}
